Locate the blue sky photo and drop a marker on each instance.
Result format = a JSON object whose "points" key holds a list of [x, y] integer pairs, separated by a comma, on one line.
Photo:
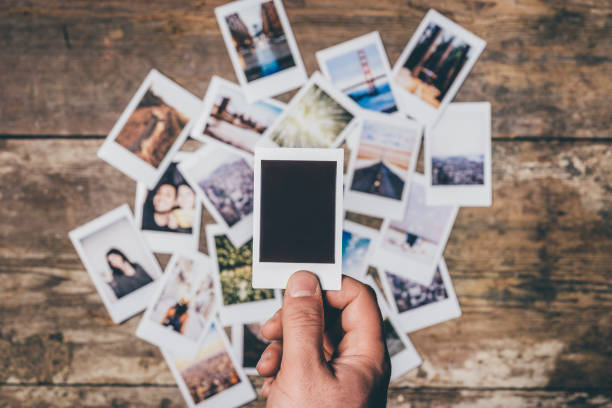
{"points": [[354, 250]]}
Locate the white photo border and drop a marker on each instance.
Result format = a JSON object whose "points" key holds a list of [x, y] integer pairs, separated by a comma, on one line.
{"points": [[134, 302], [415, 106], [270, 85], [216, 84], [276, 274], [372, 204], [127, 162], [463, 195], [246, 312]]}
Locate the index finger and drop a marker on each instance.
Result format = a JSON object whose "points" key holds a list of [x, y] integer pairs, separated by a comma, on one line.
{"points": [[360, 319]]}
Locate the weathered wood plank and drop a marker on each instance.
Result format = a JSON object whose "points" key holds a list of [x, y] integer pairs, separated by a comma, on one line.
{"points": [[70, 68], [168, 397], [532, 274]]}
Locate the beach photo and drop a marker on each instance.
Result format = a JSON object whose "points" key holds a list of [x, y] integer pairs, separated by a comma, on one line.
{"points": [[118, 261], [184, 304], [360, 69], [381, 165], [413, 245], [151, 129], [228, 118], [262, 48], [316, 117], [210, 377], [458, 156], [433, 65]]}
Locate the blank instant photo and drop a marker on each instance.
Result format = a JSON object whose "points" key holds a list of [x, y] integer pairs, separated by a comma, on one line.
{"points": [[404, 356], [151, 129], [458, 156], [432, 67], [298, 216], [360, 69], [249, 344], [358, 245], [169, 215], [238, 301], [223, 181], [412, 246], [381, 165], [262, 48], [318, 116], [183, 307], [228, 118], [418, 306], [212, 377], [121, 266]]}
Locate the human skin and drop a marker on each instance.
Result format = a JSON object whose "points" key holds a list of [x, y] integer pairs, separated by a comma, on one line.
{"points": [[163, 200], [118, 262], [328, 350]]}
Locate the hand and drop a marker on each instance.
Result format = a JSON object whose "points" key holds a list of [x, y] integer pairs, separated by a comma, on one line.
{"points": [[337, 361]]}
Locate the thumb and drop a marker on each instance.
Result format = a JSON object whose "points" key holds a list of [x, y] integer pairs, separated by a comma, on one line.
{"points": [[302, 324]]}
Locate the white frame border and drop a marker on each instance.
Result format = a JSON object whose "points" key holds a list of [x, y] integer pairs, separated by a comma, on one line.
{"points": [[239, 233], [134, 302], [164, 242], [403, 265], [270, 85], [341, 99], [429, 314], [246, 312], [463, 195], [154, 333], [372, 204], [234, 396], [216, 83], [352, 45], [415, 106], [276, 274], [126, 161]]}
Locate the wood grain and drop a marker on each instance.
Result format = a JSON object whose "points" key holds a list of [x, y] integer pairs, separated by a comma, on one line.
{"points": [[69, 68], [532, 274]]}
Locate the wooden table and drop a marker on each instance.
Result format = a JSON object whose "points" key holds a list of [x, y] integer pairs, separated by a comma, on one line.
{"points": [[533, 273]]}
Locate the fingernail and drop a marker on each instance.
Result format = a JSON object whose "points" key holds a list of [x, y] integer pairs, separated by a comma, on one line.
{"points": [[302, 284]]}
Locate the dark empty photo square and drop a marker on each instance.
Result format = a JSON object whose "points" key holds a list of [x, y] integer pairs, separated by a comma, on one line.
{"points": [[298, 202]]}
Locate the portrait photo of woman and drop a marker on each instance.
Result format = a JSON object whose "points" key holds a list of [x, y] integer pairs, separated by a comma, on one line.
{"points": [[126, 276]]}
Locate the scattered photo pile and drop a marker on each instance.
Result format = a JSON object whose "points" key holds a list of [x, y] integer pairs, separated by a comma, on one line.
{"points": [[397, 221]]}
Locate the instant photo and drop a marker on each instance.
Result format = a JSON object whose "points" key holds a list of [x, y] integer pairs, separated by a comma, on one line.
{"points": [[404, 356], [249, 344], [229, 119], [381, 165], [183, 307], [262, 48], [121, 266], [298, 215], [412, 246], [418, 306], [169, 214], [151, 129], [358, 245], [318, 116], [211, 377], [223, 180], [433, 66], [458, 156], [360, 69], [238, 301]]}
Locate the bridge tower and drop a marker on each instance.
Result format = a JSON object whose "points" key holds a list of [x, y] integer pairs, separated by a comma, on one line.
{"points": [[367, 73]]}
